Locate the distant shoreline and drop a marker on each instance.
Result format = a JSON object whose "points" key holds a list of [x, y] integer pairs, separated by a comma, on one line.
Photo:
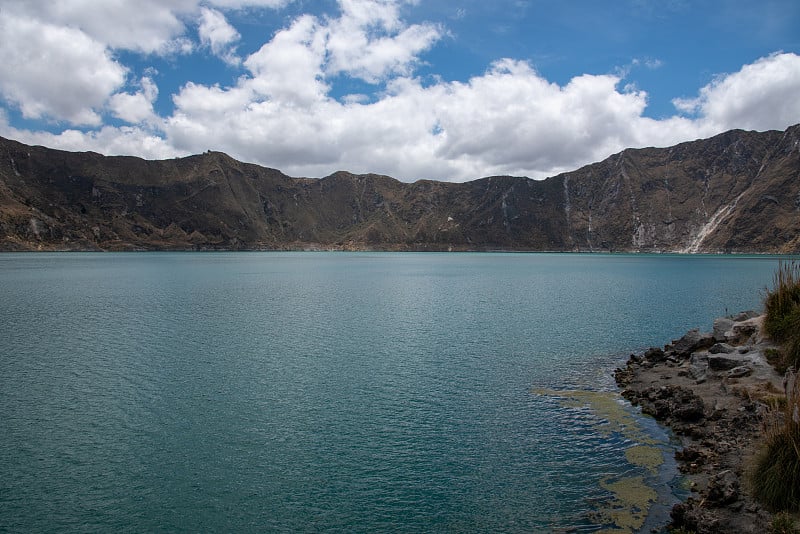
{"points": [[410, 250]]}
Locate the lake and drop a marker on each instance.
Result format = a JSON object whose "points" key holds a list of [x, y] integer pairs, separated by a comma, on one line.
{"points": [[336, 392]]}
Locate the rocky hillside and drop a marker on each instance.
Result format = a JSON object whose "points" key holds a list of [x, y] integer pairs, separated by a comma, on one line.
{"points": [[736, 192]]}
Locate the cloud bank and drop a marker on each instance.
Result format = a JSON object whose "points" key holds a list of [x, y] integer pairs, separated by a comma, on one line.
{"points": [[60, 63]]}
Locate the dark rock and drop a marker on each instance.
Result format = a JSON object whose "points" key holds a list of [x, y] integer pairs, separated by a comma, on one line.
{"points": [[691, 342], [691, 408], [722, 363], [655, 355], [721, 348], [723, 488], [689, 454], [692, 518], [634, 359], [670, 402], [623, 376]]}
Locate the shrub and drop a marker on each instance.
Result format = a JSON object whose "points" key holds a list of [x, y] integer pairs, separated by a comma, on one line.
{"points": [[783, 523], [776, 474], [782, 320], [782, 304]]}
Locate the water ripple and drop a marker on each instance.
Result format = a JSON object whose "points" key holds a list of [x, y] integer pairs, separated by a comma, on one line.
{"points": [[307, 392]]}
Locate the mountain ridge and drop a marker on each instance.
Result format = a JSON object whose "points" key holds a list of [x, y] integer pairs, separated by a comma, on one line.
{"points": [[738, 191]]}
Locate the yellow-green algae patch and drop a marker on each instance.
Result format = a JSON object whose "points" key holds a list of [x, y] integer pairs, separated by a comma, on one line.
{"points": [[614, 418], [628, 509], [632, 497], [645, 456]]}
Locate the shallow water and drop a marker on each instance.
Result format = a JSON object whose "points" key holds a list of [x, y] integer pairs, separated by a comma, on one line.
{"points": [[346, 392]]}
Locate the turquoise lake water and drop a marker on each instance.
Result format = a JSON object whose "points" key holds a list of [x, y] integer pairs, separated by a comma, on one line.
{"points": [[336, 392]]}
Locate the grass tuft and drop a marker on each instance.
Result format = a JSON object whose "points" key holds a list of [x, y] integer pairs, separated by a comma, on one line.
{"points": [[783, 523], [782, 308], [775, 477]]}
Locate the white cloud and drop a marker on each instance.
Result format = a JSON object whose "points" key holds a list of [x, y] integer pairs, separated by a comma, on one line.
{"points": [[216, 33], [238, 4], [513, 119], [126, 140], [144, 25], [509, 120], [54, 71], [138, 107], [289, 68], [762, 95], [280, 112], [371, 42], [148, 26]]}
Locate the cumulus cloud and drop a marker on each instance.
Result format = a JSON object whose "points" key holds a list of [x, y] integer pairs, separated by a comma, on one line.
{"points": [[288, 69], [125, 140], [761, 96], [216, 33], [148, 26], [509, 120], [145, 25], [137, 107], [370, 41], [281, 110], [57, 72], [238, 4]]}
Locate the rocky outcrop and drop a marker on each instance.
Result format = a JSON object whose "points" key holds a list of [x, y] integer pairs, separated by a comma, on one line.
{"points": [[735, 192], [670, 404], [712, 391]]}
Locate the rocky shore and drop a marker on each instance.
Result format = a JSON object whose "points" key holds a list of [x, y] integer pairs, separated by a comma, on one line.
{"points": [[713, 390]]}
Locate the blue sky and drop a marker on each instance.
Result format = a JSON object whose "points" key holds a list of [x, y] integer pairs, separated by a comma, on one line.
{"points": [[414, 89]]}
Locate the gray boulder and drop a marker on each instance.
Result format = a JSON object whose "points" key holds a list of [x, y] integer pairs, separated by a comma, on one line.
{"points": [[691, 342], [745, 315], [740, 371], [721, 348], [698, 366], [742, 333], [722, 325]]}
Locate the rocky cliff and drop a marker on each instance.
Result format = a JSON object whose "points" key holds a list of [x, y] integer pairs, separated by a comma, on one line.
{"points": [[736, 192]]}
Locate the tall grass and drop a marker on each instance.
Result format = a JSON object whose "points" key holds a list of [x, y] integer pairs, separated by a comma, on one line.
{"points": [[782, 309], [776, 474]]}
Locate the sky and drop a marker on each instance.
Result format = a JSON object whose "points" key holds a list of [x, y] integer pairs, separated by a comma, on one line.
{"points": [[415, 89]]}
